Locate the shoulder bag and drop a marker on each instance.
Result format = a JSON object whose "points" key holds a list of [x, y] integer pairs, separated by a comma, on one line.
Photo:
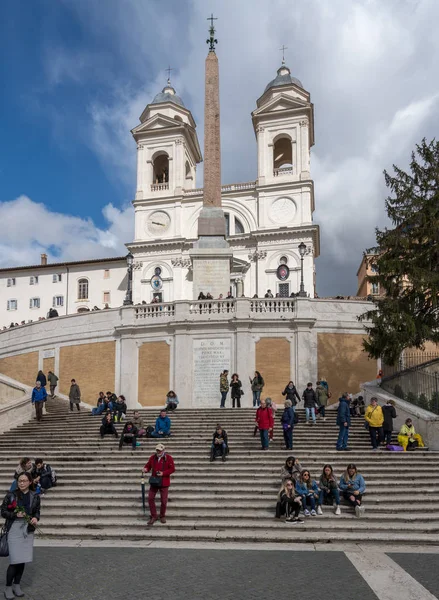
{"points": [[157, 480], [4, 546]]}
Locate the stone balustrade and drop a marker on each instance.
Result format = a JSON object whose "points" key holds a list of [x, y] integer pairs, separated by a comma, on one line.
{"points": [[159, 187], [231, 187], [283, 171]]}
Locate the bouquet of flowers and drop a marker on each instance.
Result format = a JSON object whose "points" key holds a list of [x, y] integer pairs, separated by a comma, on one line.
{"points": [[20, 510]]}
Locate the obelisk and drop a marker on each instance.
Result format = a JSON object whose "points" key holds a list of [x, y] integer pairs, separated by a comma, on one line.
{"points": [[211, 255]]}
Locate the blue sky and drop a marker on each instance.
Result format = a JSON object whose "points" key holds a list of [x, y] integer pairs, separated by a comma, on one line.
{"points": [[76, 74]]}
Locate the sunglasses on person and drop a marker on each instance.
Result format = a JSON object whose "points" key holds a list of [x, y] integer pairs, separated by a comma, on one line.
{"points": [[289, 485], [305, 475]]}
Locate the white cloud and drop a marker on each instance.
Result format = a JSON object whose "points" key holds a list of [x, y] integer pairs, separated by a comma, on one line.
{"points": [[370, 66], [30, 228]]}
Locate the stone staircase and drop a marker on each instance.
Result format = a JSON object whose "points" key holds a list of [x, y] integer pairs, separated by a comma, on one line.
{"points": [[98, 493]]}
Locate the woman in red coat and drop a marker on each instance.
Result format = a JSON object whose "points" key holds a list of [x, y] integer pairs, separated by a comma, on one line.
{"points": [[265, 422], [161, 466]]}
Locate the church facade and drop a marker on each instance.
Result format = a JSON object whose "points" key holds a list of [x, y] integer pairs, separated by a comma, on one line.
{"points": [[266, 219]]}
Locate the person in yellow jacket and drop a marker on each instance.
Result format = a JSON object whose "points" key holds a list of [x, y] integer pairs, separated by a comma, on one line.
{"points": [[407, 436], [374, 418]]}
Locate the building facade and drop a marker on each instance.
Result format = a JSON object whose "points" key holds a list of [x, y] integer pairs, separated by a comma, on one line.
{"points": [[366, 273]]}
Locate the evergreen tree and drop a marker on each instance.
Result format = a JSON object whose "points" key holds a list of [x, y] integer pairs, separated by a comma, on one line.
{"points": [[407, 259]]}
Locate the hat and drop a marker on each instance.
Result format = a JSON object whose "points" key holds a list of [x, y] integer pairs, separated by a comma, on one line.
{"points": [[160, 447]]}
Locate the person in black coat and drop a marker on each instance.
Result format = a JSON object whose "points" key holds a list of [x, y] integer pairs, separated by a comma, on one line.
{"points": [[120, 408], [236, 390], [220, 444], [107, 427], [287, 420], [310, 400], [42, 379], [389, 413], [43, 474], [291, 393], [129, 435]]}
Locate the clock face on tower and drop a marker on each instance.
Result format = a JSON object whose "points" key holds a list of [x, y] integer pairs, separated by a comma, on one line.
{"points": [[282, 210], [158, 222]]}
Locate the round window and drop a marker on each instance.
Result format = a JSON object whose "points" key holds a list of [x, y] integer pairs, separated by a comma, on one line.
{"points": [[157, 271], [283, 260]]}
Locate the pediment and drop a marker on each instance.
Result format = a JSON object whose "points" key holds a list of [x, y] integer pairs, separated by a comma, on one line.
{"points": [[158, 121], [281, 102]]}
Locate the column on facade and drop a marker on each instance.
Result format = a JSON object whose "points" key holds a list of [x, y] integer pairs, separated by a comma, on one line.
{"points": [[127, 370], [305, 350], [304, 142]]}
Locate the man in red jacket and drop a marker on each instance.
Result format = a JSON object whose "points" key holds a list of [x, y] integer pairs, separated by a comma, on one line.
{"points": [[265, 422], [162, 466]]}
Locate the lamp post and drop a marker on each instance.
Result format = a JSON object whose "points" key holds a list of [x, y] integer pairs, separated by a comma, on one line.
{"points": [[129, 295], [302, 250]]}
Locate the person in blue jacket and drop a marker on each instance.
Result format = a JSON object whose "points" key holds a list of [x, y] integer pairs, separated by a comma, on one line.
{"points": [[39, 397], [162, 426], [309, 492], [343, 422], [353, 486]]}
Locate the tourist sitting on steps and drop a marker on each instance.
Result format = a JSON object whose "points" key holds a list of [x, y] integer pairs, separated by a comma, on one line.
{"points": [[328, 485], [171, 401], [107, 427], [138, 422], [289, 503], [219, 445], [128, 435], [287, 421], [408, 438], [43, 474], [111, 401], [25, 466], [353, 487], [99, 408], [120, 409], [309, 491], [162, 426], [291, 470]]}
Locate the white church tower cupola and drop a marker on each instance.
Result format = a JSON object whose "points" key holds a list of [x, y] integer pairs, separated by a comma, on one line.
{"points": [[168, 148], [284, 126]]}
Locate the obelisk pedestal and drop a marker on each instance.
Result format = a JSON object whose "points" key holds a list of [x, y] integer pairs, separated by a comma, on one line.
{"points": [[211, 255]]}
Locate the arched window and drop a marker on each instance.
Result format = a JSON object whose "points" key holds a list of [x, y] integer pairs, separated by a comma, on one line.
{"points": [[282, 153], [161, 169], [239, 227], [83, 289]]}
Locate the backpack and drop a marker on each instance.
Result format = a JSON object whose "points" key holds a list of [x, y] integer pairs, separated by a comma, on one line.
{"points": [[394, 448], [149, 430]]}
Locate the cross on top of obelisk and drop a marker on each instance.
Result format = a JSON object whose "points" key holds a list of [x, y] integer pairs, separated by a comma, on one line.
{"points": [[212, 41], [283, 53]]}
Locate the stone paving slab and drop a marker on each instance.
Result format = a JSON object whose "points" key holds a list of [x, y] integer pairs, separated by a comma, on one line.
{"points": [[424, 568], [117, 573]]}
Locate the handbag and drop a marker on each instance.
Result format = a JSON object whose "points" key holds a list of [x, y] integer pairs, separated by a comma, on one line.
{"points": [[156, 481], [4, 546]]}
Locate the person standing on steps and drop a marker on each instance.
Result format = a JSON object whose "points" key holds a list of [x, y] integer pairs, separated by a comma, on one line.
{"points": [[264, 421], [20, 527], [41, 378], [39, 397], [272, 406], [343, 422], [236, 390], [322, 398], [310, 401], [219, 444], [224, 387], [53, 382], [328, 485], [353, 486], [287, 421], [74, 395], [291, 394], [162, 467], [389, 413], [374, 418], [257, 384]]}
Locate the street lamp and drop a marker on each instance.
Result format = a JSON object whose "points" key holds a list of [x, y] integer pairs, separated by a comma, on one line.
{"points": [[302, 250], [129, 295]]}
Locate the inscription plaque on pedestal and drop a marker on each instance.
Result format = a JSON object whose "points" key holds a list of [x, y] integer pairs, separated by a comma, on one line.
{"points": [[210, 358]]}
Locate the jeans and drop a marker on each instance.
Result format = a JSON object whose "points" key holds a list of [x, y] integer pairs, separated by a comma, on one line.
{"points": [[387, 436], [313, 414], [256, 398], [343, 436], [309, 500], [156, 434], [288, 437], [322, 410], [163, 501], [223, 399], [334, 493], [98, 410], [215, 447], [376, 436], [264, 438]]}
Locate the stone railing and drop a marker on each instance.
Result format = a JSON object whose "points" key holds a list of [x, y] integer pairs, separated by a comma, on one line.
{"points": [[159, 187], [154, 311], [282, 171], [273, 305], [204, 307], [231, 187]]}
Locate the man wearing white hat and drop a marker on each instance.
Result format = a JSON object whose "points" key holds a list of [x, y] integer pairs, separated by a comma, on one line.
{"points": [[161, 464]]}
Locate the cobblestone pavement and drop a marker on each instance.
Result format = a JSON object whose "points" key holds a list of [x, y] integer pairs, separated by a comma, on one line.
{"points": [[134, 573]]}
